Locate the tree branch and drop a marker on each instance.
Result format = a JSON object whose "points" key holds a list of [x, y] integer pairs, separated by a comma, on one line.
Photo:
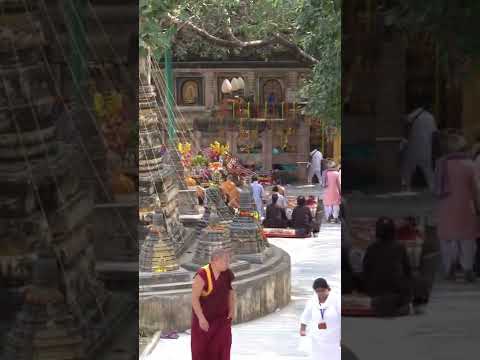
{"points": [[295, 48], [237, 43], [229, 27]]}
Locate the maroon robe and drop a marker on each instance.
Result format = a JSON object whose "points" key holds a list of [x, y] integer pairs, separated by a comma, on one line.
{"points": [[216, 343]]}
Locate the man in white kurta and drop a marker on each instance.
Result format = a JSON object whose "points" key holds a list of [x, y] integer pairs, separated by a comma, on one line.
{"points": [[419, 147], [322, 318], [282, 200], [258, 194], [315, 166]]}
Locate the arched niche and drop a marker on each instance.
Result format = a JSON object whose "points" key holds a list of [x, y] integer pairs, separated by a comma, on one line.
{"points": [[269, 87]]}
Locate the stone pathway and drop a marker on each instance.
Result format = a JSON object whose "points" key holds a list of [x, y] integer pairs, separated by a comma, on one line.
{"points": [[276, 335]]}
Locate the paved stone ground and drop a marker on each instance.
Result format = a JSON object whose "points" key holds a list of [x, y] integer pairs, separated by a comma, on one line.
{"points": [[448, 329], [276, 335]]}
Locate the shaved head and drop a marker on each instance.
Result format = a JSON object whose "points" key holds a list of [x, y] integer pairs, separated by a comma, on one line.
{"points": [[220, 259], [219, 253]]}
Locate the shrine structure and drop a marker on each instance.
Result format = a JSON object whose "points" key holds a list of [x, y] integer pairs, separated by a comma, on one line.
{"points": [[263, 123], [171, 254]]}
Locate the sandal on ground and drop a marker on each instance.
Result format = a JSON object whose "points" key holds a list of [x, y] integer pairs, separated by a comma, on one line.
{"points": [[170, 335]]}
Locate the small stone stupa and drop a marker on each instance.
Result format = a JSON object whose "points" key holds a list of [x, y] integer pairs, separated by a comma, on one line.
{"points": [[246, 232], [159, 182], [157, 261], [156, 255], [214, 199], [214, 236], [45, 328]]}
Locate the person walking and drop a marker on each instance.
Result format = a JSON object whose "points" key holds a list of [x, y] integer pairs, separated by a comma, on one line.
{"points": [[213, 309], [315, 166], [332, 195], [455, 187], [322, 317], [420, 147], [476, 161], [258, 194]]}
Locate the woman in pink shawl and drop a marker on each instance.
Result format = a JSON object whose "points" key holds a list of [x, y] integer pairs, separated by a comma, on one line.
{"points": [[457, 220], [476, 161], [332, 194]]}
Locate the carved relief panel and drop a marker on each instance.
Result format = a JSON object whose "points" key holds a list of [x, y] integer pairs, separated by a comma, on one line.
{"points": [[190, 91]]}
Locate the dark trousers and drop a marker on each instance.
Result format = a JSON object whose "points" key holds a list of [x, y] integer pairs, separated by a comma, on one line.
{"points": [[477, 257]]}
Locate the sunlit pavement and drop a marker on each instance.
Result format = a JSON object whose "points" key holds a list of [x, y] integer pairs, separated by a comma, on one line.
{"points": [[276, 335]]}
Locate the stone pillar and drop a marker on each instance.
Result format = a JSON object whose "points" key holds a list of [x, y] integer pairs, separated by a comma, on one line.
{"points": [[267, 147], [251, 85], [303, 149], [210, 89], [197, 143], [291, 86], [390, 108], [231, 139]]}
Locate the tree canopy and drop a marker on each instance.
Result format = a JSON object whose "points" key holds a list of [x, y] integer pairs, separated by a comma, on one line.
{"points": [[453, 25], [309, 30]]}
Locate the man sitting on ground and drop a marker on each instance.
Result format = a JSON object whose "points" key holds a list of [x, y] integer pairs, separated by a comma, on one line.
{"points": [[302, 219], [387, 273], [276, 216], [282, 200]]}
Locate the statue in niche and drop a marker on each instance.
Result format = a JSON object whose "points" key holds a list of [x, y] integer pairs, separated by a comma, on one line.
{"points": [[190, 92], [272, 94]]}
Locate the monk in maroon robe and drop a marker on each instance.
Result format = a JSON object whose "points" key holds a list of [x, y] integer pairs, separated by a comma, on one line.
{"points": [[213, 303]]}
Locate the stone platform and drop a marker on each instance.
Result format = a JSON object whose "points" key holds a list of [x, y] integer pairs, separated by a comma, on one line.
{"points": [[170, 277], [261, 289]]}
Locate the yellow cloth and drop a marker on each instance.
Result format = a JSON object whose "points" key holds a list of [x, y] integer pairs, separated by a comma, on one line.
{"points": [[190, 181], [209, 281], [99, 105]]}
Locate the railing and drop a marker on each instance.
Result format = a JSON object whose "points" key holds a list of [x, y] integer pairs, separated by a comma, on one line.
{"points": [[249, 110]]}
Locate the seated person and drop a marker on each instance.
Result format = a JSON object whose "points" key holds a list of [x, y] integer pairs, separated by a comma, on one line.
{"points": [[200, 195], [282, 200], [349, 280], [311, 200], [276, 216], [230, 192], [280, 190], [387, 276], [302, 220]]}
